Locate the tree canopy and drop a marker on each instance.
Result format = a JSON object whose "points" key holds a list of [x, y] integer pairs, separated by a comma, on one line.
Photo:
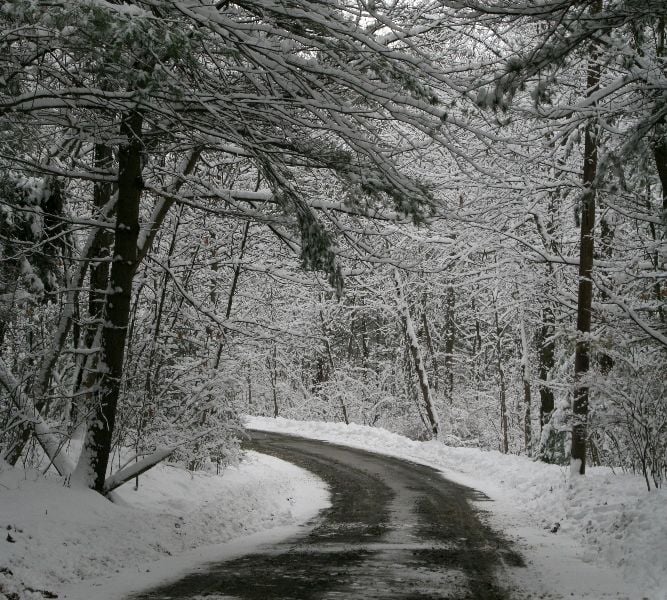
{"points": [[385, 212]]}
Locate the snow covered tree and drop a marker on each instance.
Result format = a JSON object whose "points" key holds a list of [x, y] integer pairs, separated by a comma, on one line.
{"points": [[154, 98], [588, 75]]}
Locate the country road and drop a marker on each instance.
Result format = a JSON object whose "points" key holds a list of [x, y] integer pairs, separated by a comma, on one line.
{"points": [[395, 530]]}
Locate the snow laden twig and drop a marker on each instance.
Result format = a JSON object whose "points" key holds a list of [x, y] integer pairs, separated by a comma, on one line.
{"points": [[49, 442], [653, 333], [164, 204], [75, 280], [224, 324], [120, 477]]}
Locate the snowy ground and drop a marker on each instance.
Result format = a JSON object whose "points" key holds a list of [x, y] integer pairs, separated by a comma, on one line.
{"points": [[602, 537], [57, 536], [611, 538]]}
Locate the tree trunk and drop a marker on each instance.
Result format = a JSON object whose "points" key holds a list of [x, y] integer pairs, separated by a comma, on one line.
{"points": [[272, 364], [527, 397], [552, 442], [606, 249], [585, 289], [99, 278], [232, 289], [501, 379], [39, 390], [546, 358], [550, 449], [429, 345], [249, 382], [417, 356], [450, 338], [92, 466], [659, 139], [660, 155], [75, 283], [332, 366], [50, 443]]}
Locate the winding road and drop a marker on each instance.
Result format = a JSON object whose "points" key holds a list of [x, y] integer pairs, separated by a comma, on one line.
{"points": [[395, 530]]}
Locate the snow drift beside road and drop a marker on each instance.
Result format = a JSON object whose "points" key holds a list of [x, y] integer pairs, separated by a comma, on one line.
{"points": [[611, 517], [61, 535]]}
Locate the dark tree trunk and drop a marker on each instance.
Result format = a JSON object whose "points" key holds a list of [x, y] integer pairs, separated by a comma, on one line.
{"points": [[604, 359], [551, 443], [527, 395], [527, 417], [450, 339], [503, 388], [99, 278], [429, 346], [585, 289], [546, 354], [97, 446], [660, 141], [660, 155], [273, 373]]}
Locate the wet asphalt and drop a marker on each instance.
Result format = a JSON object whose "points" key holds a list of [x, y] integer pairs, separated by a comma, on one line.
{"points": [[395, 530]]}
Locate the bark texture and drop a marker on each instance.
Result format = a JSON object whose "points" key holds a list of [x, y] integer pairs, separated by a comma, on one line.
{"points": [[94, 459], [417, 357], [585, 289]]}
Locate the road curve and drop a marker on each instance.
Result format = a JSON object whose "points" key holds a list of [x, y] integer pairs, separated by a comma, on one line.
{"points": [[395, 530]]}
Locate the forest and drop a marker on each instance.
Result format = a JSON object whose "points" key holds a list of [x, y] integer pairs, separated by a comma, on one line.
{"points": [[447, 218]]}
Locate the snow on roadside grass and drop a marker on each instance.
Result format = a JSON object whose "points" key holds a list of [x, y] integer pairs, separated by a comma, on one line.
{"points": [[61, 535], [612, 516]]}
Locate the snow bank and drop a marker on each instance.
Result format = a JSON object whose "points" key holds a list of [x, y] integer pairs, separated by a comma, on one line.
{"points": [[611, 517], [57, 535]]}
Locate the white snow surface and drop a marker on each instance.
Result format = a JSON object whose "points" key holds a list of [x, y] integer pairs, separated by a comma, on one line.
{"points": [[70, 540], [610, 538]]}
